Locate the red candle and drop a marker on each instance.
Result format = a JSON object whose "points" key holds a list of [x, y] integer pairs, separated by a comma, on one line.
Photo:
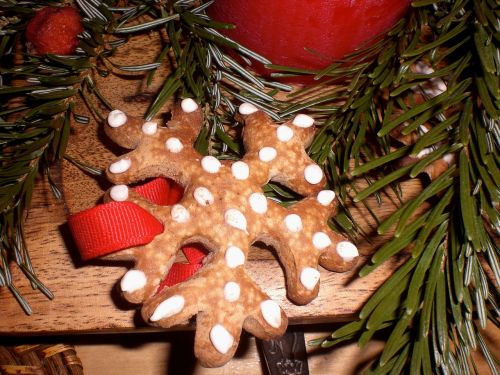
{"points": [[281, 30]]}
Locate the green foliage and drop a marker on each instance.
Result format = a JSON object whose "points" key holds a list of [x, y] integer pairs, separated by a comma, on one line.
{"points": [[36, 96], [451, 107]]}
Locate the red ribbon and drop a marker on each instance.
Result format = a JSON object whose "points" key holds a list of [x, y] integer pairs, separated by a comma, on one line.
{"points": [[181, 271], [114, 226], [111, 227]]}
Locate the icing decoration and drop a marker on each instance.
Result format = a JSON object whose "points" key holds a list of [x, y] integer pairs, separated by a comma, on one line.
{"points": [[168, 308], [325, 197], [149, 128], [234, 257], [284, 133], [240, 170], [347, 250], [210, 164], [321, 240], [232, 291], [236, 219], [424, 152], [116, 118], [132, 281], [309, 277], [293, 223], [174, 145], [221, 339], [313, 174], [120, 166], [258, 203], [189, 105], [247, 109], [267, 154], [179, 214], [271, 313], [303, 121], [203, 196], [119, 193], [448, 158]]}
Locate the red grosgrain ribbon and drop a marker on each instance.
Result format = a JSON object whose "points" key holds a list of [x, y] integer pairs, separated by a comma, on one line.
{"points": [[110, 227], [181, 271], [161, 191], [115, 226]]}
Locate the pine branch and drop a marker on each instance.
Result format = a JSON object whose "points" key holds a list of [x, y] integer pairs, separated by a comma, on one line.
{"points": [[37, 93], [430, 104]]}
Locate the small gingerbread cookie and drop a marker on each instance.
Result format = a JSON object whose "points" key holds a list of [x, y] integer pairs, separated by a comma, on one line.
{"points": [[225, 209]]}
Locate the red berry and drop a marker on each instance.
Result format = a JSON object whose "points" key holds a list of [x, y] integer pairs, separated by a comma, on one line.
{"points": [[54, 30]]}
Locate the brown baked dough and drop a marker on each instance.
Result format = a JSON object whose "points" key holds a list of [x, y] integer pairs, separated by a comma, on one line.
{"points": [[224, 208]]}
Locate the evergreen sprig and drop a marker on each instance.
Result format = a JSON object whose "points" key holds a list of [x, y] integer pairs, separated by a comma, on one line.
{"points": [[434, 78], [37, 95]]}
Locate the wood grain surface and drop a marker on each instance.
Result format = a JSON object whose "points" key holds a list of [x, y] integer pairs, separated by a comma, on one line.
{"points": [[86, 294], [161, 353]]}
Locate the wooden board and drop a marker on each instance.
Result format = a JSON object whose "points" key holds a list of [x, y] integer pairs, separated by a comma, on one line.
{"points": [[86, 295], [87, 299]]}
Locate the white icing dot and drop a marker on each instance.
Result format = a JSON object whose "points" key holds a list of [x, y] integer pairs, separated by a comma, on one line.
{"points": [[174, 145], [133, 280], [271, 312], [236, 219], [234, 257], [293, 223], [321, 240], [303, 121], [232, 291], [189, 105], [168, 308], [347, 250], [149, 127], [221, 339], [120, 166], [325, 197], [309, 277], [258, 202], [203, 196], [266, 154], [247, 109], [210, 164], [116, 118], [240, 170], [313, 174], [119, 193], [179, 213], [284, 133]]}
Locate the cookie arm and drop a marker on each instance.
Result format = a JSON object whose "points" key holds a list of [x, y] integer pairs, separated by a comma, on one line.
{"points": [[225, 300], [153, 261], [303, 239], [282, 150], [158, 151]]}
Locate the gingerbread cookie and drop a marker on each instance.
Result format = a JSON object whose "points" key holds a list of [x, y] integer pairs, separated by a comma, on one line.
{"points": [[224, 209]]}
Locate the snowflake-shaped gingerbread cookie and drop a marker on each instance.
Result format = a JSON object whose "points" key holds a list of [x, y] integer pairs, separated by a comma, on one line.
{"points": [[224, 209]]}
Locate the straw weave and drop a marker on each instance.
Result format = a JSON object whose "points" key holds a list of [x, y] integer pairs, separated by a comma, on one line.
{"points": [[57, 359]]}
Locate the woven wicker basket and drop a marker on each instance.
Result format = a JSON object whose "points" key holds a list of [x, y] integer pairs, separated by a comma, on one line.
{"points": [[58, 359]]}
